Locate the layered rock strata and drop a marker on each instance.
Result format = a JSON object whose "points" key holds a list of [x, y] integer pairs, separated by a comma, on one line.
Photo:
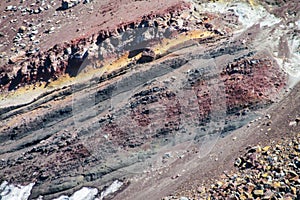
{"points": [[157, 83]]}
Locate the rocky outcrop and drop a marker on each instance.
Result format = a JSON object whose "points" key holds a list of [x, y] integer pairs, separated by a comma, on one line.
{"points": [[262, 172], [66, 4], [177, 87], [39, 67], [163, 106]]}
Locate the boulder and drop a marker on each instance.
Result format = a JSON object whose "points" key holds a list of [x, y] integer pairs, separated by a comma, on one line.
{"points": [[148, 55]]}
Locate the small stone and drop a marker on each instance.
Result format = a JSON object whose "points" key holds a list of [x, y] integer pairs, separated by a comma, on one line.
{"points": [[268, 116], [36, 11], [248, 195], [294, 190], [238, 162], [250, 187], [50, 30], [176, 176], [268, 195], [293, 123], [258, 192], [266, 148], [293, 173], [34, 32], [269, 123], [258, 149], [201, 190], [22, 45], [66, 4], [11, 8], [219, 184], [32, 37], [36, 42], [16, 58], [276, 184], [22, 29], [180, 23], [297, 147]]}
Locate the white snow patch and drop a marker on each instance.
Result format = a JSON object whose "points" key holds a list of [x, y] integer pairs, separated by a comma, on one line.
{"points": [[247, 15], [298, 24], [12, 192], [62, 198], [115, 186], [84, 193], [292, 64]]}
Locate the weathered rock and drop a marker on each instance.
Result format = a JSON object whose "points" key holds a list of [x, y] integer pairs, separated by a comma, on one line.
{"points": [[86, 1], [293, 123], [148, 55], [15, 59], [258, 192], [22, 29], [66, 4]]}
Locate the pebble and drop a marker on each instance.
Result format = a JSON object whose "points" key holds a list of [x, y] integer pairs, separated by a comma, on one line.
{"points": [[293, 123], [11, 8], [34, 32], [22, 29], [258, 192]]}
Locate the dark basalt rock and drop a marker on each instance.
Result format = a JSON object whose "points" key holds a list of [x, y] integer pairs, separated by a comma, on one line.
{"points": [[148, 55]]}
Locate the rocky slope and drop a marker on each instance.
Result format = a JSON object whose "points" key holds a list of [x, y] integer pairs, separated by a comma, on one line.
{"points": [[136, 98], [269, 172], [35, 48]]}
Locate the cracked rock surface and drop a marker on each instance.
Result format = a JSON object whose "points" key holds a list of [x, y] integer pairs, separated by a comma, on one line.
{"points": [[135, 99]]}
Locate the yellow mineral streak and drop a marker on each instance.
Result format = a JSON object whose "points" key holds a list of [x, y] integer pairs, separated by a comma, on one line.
{"points": [[159, 49], [28, 93], [253, 3]]}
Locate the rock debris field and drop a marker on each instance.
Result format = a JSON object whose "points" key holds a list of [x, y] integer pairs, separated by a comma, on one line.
{"points": [[268, 172]]}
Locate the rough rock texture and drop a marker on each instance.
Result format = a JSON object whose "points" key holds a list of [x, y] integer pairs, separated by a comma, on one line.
{"points": [[146, 95], [269, 172], [43, 62]]}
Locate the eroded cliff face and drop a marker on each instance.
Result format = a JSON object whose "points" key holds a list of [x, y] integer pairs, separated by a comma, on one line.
{"points": [[66, 58], [168, 82]]}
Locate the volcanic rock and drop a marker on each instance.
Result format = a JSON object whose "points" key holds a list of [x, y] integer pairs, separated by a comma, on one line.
{"points": [[66, 4]]}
